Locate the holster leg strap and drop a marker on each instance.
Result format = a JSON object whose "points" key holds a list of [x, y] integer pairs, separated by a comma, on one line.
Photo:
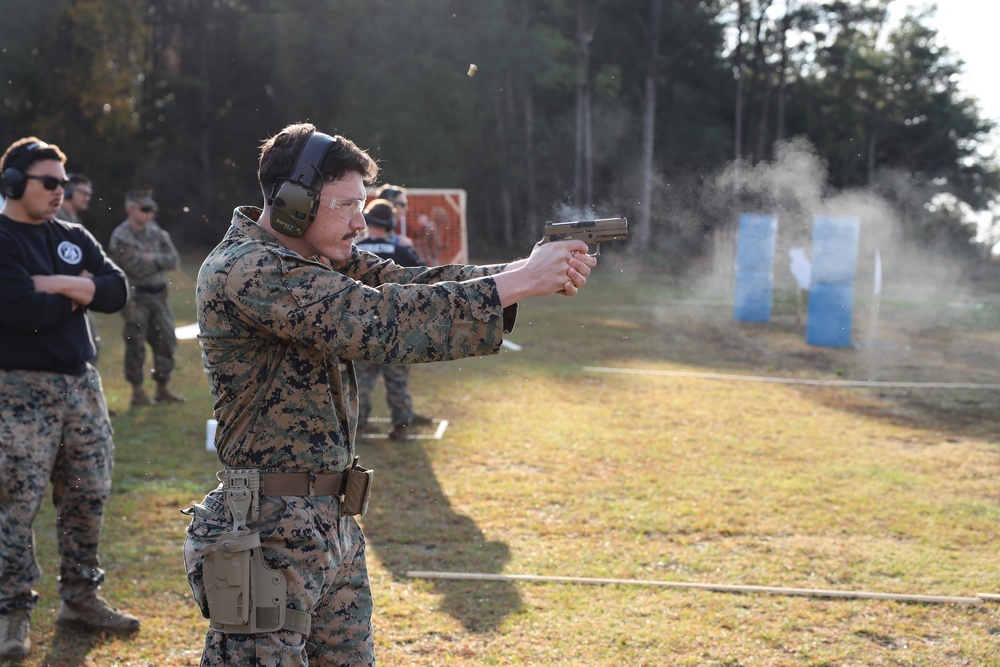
{"points": [[295, 621]]}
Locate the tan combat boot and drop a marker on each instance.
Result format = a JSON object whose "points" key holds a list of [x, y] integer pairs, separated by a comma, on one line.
{"points": [[164, 395], [139, 397], [93, 613], [15, 631]]}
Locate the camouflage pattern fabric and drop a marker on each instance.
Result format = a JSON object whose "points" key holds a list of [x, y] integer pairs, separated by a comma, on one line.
{"points": [[146, 255], [63, 214], [52, 426], [279, 333], [148, 319], [320, 552], [397, 394]]}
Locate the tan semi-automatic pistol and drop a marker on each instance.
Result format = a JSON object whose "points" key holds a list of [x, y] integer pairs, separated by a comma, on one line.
{"points": [[591, 232]]}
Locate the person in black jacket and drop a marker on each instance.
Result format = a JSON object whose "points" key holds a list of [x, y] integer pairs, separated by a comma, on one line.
{"points": [[380, 216], [53, 416]]}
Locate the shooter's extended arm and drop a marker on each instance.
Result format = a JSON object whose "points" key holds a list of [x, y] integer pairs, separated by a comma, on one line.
{"points": [[588, 231]]}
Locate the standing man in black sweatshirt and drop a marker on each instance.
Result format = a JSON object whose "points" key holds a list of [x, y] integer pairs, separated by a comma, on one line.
{"points": [[53, 417]]}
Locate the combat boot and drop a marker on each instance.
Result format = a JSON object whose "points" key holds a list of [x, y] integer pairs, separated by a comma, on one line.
{"points": [[399, 432], [93, 613], [15, 631], [421, 420], [164, 395], [139, 396]]}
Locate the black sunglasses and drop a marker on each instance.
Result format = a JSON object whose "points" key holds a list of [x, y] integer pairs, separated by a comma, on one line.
{"points": [[50, 182], [147, 209]]}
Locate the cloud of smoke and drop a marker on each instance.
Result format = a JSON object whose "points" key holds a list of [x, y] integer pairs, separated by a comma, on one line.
{"points": [[794, 186]]}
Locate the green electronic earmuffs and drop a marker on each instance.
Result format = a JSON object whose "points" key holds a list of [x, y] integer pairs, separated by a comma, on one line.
{"points": [[295, 201]]}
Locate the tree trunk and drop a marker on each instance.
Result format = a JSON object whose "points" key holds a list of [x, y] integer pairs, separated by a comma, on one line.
{"points": [[644, 231], [738, 73], [760, 151], [583, 181], [528, 222], [504, 119], [582, 99], [529, 148], [588, 151], [528, 110], [758, 79], [871, 155], [206, 180], [779, 128]]}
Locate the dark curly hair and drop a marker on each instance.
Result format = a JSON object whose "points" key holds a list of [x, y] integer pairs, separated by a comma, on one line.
{"points": [[278, 155]]}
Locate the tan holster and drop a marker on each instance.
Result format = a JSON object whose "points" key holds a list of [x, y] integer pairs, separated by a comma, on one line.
{"points": [[244, 595]]}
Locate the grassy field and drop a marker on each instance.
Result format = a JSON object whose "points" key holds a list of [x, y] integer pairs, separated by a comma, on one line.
{"points": [[548, 469]]}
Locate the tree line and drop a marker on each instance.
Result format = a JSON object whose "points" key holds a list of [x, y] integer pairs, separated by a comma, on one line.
{"points": [[578, 107]]}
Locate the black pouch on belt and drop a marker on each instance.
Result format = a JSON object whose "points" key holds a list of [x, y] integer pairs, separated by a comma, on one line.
{"points": [[357, 490]]}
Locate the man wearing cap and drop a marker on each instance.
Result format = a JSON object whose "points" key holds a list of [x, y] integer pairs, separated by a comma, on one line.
{"points": [[144, 250], [55, 426], [380, 218]]}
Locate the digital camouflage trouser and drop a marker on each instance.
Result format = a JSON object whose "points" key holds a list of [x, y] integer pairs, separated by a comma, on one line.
{"points": [[397, 393], [148, 320], [322, 555], [52, 427]]}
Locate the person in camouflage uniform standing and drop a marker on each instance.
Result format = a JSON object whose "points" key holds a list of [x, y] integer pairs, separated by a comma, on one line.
{"points": [[53, 417], [145, 251], [380, 217], [286, 303]]}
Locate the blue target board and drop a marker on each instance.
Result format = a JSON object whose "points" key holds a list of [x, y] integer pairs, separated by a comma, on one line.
{"points": [[831, 297], [755, 246]]}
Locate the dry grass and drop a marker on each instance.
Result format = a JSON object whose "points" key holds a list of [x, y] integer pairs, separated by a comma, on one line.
{"points": [[550, 470]]}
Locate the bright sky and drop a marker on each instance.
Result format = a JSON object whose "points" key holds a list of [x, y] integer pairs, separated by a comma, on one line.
{"points": [[968, 28]]}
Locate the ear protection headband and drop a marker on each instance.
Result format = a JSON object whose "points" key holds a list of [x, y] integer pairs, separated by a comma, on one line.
{"points": [[14, 180], [71, 188], [294, 205]]}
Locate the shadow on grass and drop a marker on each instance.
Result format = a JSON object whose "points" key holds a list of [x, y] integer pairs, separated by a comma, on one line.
{"points": [[411, 525], [70, 647]]}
